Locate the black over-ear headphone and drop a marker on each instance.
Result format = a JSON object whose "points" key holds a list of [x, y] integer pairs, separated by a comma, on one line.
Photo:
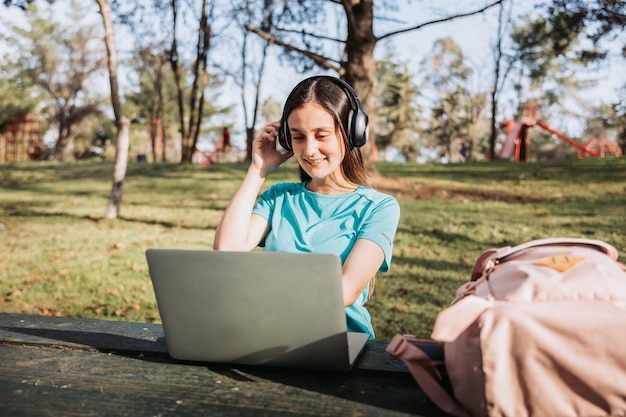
{"points": [[358, 121]]}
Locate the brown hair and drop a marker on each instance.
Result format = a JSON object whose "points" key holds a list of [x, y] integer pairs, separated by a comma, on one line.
{"points": [[332, 98]]}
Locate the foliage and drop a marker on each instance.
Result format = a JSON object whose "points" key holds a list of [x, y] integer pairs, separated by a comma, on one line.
{"points": [[58, 61], [153, 89], [398, 110], [457, 116], [22, 4], [172, 81], [60, 258], [249, 75], [448, 63], [549, 73], [298, 22], [349, 47], [593, 20], [341, 37], [608, 121], [17, 95], [561, 40]]}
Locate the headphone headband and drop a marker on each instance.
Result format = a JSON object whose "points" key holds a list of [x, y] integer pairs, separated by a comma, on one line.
{"points": [[357, 129]]}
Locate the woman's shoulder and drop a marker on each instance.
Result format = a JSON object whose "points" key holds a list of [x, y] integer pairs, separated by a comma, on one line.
{"points": [[375, 195]]}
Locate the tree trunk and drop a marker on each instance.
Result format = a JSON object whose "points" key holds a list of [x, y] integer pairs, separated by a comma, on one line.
{"points": [[249, 140], [190, 131], [121, 122], [154, 132], [204, 45], [121, 161], [163, 139], [175, 64], [493, 136], [359, 68], [60, 148], [63, 120], [157, 119]]}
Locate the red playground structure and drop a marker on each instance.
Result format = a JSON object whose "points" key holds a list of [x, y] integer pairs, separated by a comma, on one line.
{"points": [[516, 141]]}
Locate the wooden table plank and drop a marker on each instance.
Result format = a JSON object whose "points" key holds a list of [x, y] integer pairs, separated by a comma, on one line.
{"points": [[42, 380], [62, 367], [133, 337], [82, 333]]}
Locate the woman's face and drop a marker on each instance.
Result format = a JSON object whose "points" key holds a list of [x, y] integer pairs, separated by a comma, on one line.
{"points": [[316, 142]]}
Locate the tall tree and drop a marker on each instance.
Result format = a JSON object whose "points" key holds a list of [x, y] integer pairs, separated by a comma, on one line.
{"points": [[122, 123], [355, 63], [184, 32], [190, 123], [457, 112], [501, 69], [60, 60], [153, 97], [563, 38], [398, 121], [253, 64], [548, 71]]}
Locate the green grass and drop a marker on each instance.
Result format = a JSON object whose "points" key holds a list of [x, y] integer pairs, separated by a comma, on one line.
{"points": [[60, 258]]}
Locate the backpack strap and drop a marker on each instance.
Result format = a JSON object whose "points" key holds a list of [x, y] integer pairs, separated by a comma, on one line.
{"points": [[425, 374]]}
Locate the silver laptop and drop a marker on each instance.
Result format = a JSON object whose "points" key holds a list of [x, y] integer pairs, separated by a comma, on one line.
{"points": [[253, 308]]}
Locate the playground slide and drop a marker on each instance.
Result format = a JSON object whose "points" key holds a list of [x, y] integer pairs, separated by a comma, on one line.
{"points": [[566, 139], [512, 133]]}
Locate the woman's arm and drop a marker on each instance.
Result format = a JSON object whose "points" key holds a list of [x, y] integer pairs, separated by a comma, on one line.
{"points": [[373, 249], [239, 229], [360, 267]]}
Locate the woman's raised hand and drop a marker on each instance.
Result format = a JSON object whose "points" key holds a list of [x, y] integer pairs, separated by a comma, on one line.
{"points": [[265, 156]]}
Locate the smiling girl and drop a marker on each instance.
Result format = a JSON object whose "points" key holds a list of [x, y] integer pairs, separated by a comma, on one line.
{"points": [[332, 210]]}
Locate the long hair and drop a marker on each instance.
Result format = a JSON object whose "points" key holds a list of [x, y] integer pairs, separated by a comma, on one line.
{"points": [[332, 98]]}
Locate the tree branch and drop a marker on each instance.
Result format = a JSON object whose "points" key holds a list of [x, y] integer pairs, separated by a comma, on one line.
{"points": [[445, 19], [320, 60], [313, 35]]}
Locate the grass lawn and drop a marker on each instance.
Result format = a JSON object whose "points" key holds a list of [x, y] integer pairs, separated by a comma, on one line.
{"points": [[60, 257]]}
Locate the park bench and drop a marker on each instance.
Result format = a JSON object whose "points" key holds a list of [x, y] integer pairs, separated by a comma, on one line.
{"points": [[70, 366]]}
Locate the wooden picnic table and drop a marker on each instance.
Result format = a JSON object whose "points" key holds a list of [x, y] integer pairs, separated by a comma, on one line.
{"points": [[56, 366]]}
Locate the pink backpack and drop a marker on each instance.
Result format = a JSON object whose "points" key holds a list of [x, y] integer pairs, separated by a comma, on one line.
{"points": [[539, 330]]}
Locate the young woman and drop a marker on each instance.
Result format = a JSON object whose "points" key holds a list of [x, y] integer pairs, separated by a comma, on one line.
{"points": [[332, 210]]}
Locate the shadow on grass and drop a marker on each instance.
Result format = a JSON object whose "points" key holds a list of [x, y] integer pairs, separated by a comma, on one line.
{"points": [[19, 210], [169, 225]]}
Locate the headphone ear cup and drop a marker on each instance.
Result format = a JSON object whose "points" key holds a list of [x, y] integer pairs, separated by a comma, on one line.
{"points": [[284, 137], [359, 131]]}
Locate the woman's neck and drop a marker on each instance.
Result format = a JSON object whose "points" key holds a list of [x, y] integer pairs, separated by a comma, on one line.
{"points": [[328, 186]]}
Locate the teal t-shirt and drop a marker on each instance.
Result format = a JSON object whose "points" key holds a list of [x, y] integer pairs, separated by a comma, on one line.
{"points": [[303, 221]]}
